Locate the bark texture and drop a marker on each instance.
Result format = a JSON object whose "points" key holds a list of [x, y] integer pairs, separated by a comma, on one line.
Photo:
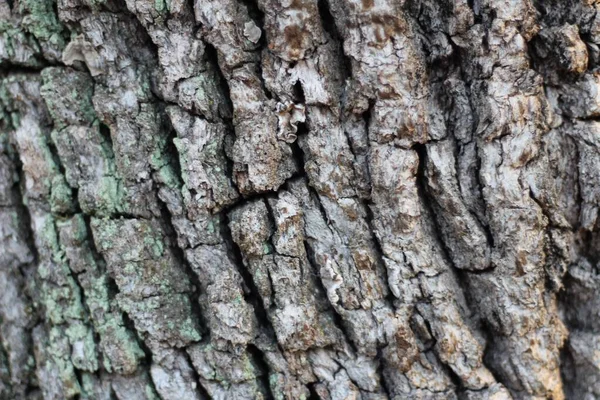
{"points": [[299, 199]]}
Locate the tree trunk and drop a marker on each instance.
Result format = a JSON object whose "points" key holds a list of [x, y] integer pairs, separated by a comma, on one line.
{"points": [[299, 199]]}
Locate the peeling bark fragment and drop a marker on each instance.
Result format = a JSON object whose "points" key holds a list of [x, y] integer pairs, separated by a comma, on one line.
{"points": [[579, 305], [284, 382], [261, 161], [353, 286], [63, 300], [584, 134], [186, 77], [15, 335], [44, 183], [578, 99], [583, 370], [560, 49], [496, 392], [207, 188], [68, 96], [553, 180], [299, 23], [340, 279], [121, 351], [144, 265], [160, 308], [94, 387]]}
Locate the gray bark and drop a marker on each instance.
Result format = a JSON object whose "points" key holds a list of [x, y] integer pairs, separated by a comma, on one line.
{"points": [[299, 199]]}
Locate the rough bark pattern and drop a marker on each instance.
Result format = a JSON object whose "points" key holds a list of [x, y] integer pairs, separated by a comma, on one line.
{"points": [[288, 199]]}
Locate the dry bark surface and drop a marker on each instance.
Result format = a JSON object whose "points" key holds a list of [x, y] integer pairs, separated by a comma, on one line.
{"points": [[299, 199]]}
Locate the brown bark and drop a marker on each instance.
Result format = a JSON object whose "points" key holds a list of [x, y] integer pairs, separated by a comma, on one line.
{"points": [[288, 199]]}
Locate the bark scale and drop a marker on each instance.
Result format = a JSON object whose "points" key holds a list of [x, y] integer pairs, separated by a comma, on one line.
{"points": [[288, 199]]}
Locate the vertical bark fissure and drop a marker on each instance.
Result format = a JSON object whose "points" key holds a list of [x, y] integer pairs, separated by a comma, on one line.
{"points": [[191, 275], [23, 223]]}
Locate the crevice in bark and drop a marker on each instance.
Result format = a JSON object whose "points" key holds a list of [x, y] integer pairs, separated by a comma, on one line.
{"points": [[25, 225], [427, 346], [79, 377], [257, 15], [104, 131], [212, 58], [151, 381], [203, 392], [252, 296], [329, 25], [567, 370], [370, 218], [171, 154], [457, 59], [312, 390], [61, 170], [300, 98], [179, 256], [337, 318], [8, 68], [298, 154], [380, 372], [5, 365], [310, 254], [461, 275], [24, 213], [579, 186], [486, 228], [130, 325], [425, 200], [92, 245], [259, 359], [112, 395]]}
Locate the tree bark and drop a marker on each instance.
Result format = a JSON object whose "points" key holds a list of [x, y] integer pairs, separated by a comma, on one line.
{"points": [[299, 199]]}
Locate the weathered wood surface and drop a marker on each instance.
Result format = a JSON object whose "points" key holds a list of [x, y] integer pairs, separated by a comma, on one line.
{"points": [[294, 199]]}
